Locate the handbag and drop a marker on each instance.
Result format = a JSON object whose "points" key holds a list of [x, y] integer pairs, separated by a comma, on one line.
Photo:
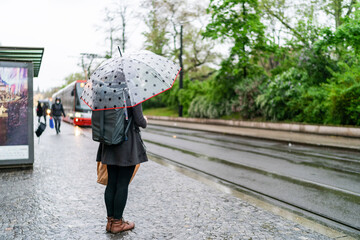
{"points": [[102, 173], [40, 129], [134, 173], [51, 122]]}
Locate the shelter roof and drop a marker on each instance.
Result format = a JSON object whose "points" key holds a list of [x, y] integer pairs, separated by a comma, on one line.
{"points": [[23, 54]]}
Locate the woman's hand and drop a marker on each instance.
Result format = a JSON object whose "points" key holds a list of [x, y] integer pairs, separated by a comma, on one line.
{"points": [[146, 119]]}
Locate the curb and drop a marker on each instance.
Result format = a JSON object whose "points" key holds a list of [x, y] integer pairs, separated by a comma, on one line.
{"points": [[353, 132], [309, 138]]}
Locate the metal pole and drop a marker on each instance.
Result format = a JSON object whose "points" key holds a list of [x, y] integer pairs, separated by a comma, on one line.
{"points": [[181, 65]]}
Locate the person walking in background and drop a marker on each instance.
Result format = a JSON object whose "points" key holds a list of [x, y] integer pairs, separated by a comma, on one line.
{"points": [[121, 160], [45, 108], [39, 111], [56, 111]]}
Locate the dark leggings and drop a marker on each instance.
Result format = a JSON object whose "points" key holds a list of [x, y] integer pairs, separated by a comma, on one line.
{"points": [[116, 191]]}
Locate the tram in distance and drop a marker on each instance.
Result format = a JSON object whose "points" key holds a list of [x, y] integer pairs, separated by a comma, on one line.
{"points": [[76, 110]]}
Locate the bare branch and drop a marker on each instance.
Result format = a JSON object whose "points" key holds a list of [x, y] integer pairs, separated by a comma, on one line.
{"points": [[352, 3], [296, 33]]}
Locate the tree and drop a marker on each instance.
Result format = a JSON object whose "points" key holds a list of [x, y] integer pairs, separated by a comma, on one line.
{"points": [[122, 15], [73, 77], [164, 19], [239, 22], [115, 27], [111, 29], [338, 9], [87, 62], [292, 16], [156, 39]]}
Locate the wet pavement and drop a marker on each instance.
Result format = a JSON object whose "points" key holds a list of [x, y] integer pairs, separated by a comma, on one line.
{"points": [[318, 180], [60, 199]]}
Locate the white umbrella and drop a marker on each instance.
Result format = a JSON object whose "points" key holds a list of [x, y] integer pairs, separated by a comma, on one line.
{"points": [[129, 80]]}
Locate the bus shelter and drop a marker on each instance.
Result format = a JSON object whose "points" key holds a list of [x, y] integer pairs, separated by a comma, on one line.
{"points": [[18, 67]]}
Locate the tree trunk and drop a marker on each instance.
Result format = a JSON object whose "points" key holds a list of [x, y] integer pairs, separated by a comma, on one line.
{"points": [[337, 12]]}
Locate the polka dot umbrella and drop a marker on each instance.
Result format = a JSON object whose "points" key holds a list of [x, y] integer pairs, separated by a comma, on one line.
{"points": [[129, 80]]}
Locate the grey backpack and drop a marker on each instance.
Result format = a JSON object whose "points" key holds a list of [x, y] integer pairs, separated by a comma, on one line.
{"points": [[110, 126]]}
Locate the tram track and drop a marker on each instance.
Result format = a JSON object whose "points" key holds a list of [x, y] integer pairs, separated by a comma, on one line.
{"points": [[263, 171], [235, 174], [353, 230], [284, 203], [348, 166]]}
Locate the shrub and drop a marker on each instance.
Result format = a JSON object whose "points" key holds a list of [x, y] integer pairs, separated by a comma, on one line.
{"points": [[247, 91], [280, 98], [344, 95], [313, 104], [203, 107], [192, 89]]}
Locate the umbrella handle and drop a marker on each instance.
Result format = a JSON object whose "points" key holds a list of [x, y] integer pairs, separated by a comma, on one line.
{"points": [[126, 112], [120, 51]]}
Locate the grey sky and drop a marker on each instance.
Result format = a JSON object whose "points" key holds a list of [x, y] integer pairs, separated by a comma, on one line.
{"points": [[65, 28]]}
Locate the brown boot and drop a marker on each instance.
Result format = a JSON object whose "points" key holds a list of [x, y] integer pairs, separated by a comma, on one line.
{"points": [[121, 225], [109, 223]]}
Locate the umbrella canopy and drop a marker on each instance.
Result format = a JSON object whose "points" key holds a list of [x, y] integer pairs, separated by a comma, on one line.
{"points": [[129, 80]]}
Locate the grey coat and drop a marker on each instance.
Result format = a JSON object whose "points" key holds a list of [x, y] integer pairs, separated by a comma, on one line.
{"points": [[130, 152]]}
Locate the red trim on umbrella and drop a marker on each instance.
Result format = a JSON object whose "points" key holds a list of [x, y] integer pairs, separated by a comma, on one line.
{"points": [[137, 103]]}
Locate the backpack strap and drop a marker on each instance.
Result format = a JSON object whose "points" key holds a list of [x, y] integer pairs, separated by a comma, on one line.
{"points": [[127, 128], [102, 129]]}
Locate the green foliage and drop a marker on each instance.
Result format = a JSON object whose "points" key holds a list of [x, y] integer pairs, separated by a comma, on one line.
{"points": [[239, 22], [166, 99], [247, 91], [290, 97], [73, 77], [192, 89], [168, 112], [317, 65], [344, 95], [156, 39], [279, 100], [313, 105], [203, 107], [345, 40], [311, 75]]}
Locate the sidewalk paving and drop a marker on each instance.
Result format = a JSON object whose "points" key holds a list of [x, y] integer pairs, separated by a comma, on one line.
{"points": [[60, 199]]}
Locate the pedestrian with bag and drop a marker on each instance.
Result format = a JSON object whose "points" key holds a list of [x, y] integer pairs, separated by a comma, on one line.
{"points": [[56, 111], [115, 92], [39, 111], [45, 108]]}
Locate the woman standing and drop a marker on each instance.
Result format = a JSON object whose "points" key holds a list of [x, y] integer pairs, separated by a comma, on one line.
{"points": [[121, 160]]}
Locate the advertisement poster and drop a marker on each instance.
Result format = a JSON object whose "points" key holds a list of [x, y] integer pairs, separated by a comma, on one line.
{"points": [[14, 111]]}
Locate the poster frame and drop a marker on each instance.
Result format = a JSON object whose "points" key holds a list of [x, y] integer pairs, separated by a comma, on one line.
{"points": [[23, 162]]}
